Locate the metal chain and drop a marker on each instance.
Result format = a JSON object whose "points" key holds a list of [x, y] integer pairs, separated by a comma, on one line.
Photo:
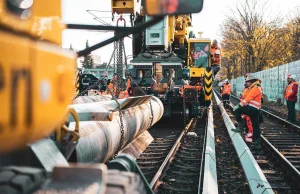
{"points": [[115, 49], [119, 66], [143, 41], [121, 120], [119, 84], [112, 57], [151, 109]]}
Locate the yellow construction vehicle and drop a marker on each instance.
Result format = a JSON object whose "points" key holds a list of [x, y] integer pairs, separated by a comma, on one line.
{"points": [[171, 55], [36, 90]]}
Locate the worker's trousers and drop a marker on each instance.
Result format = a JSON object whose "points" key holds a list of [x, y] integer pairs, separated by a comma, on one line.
{"points": [[253, 113], [291, 109], [225, 97], [216, 69]]}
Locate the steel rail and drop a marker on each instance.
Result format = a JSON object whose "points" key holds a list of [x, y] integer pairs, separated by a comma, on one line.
{"points": [[209, 185], [154, 181], [251, 169], [287, 165], [202, 160]]}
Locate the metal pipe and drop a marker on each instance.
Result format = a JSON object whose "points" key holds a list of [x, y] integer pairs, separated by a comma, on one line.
{"points": [[99, 140], [89, 99]]}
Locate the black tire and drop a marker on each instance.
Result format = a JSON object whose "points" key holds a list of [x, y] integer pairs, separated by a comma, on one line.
{"points": [[25, 180], [21, 180], [120, 182]]}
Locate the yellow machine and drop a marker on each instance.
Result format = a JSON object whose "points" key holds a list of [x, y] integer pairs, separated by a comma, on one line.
{"points": [[36, 84], [199, 63]]}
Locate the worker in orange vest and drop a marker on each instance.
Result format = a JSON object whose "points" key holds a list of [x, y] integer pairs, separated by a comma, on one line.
{"points": [[215, 52], [226, 92], [290, 94], [250, 106], [214, 47], [246, 118]]}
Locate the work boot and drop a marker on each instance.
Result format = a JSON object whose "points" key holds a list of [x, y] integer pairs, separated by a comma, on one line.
{"points": [[257, 145], [239, 128]]}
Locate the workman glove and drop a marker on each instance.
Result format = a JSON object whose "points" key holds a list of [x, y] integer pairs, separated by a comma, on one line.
{"points": [[236, 107]]}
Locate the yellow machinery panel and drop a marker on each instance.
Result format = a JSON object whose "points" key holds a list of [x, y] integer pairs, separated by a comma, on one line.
{"points": [[41, 20], [126, 6], [36, 85], [196, 72], [171, 28]]}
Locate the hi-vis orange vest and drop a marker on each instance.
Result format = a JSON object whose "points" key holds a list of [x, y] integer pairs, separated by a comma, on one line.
{"points": [[123, 94], [214, 48], [226, 89], [245, 92], [253, 97], [289, 91], [112, 87]]}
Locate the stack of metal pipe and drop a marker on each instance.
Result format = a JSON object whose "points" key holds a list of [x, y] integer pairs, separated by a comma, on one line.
{"points": [[100, 124]]}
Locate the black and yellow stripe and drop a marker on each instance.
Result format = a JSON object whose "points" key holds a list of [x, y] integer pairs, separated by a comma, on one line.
{"points": [[77, 82], [208, 78]]}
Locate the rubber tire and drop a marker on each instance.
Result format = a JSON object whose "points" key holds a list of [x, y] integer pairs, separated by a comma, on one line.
{"points": [[25, 180], [21, 180], [120, 182]]}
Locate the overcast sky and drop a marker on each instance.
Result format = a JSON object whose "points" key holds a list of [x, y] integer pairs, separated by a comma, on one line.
{"points": [[208, 21]]}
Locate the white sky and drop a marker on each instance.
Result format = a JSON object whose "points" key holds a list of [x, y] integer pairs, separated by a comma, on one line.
{"points": [[208, 21]]}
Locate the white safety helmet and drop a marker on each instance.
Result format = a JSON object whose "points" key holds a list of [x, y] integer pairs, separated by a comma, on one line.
{"points": [[246, 75], [251, 77], [292, 77], [218, 52], [186, 82]]}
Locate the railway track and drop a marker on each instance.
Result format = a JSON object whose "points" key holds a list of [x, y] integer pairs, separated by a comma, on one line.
{"points": [[231, 177], [174, 161], [279, 158], [183, 173], [165, 134]]}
